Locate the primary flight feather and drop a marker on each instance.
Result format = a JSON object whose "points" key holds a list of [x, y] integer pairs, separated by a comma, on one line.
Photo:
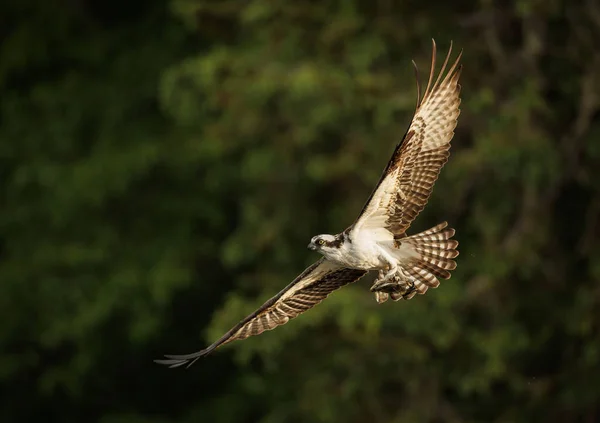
{"points": [[377, 240]]}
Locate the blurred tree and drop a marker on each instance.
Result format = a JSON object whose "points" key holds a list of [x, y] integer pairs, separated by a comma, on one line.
{"points": [[97, 226], [155, 179]]}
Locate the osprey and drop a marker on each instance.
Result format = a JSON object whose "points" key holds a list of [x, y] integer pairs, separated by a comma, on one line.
{"points": [[377, 240]]}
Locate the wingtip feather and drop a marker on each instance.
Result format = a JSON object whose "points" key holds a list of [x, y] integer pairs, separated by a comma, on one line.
{"points": [[416, 68], [177, 360], [171, 363], [453, 72]]}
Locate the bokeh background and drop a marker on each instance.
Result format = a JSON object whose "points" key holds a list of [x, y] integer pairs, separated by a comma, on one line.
{"points": [[165, 163]]}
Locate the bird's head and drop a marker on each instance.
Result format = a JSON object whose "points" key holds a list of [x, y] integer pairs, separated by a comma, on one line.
{"points": [[324, 243]]}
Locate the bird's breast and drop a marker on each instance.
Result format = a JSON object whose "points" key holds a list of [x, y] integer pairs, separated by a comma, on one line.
{"points": [[359, 255]]}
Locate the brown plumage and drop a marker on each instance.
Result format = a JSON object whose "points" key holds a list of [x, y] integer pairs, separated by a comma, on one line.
{"points": [[400, 195], [417, 160], [407, 181], [310, 288]]}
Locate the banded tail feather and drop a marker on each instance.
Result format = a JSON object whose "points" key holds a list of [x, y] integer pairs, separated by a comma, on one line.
{"points": [[434, 259]]}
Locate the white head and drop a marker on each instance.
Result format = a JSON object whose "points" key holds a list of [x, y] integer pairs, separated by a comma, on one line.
{"points": [[328, 245]]}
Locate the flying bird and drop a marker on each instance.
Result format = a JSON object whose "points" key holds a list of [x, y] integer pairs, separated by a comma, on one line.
{"points": [[377, 240]]}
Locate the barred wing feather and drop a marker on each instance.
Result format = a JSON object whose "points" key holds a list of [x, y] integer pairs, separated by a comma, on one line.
{"points": [[408, 179], [307, 290]]}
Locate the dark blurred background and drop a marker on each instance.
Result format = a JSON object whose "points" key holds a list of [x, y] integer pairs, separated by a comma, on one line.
{"points": [[165, 163]]}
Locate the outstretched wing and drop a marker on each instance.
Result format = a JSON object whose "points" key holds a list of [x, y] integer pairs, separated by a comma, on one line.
{"points": [[407, 181], [310, 288]]}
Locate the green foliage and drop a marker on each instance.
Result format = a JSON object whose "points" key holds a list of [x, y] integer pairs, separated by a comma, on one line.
{"points": [[163, 173]]}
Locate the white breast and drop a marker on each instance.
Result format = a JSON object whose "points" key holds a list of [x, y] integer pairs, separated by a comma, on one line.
{"points": [[364, 250]]}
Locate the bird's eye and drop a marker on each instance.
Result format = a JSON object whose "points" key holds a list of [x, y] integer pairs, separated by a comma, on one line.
{"points": [[321, 242]]}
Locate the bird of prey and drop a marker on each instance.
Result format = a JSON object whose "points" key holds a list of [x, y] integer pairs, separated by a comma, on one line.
{"points": [[377, 240]]}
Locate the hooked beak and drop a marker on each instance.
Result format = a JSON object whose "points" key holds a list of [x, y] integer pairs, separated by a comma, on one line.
{"points": [[312, 246]]}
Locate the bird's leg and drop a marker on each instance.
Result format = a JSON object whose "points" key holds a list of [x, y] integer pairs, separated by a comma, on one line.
{"points": [[392, 268], [387, 279], [377, 285], [390, 285], [390, 273]]}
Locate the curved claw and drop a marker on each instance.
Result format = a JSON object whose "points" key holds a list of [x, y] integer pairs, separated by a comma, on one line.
{"points": [[386, 284]]}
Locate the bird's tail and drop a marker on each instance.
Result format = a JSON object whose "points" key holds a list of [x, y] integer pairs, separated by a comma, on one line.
{"points": [[435, 251]]}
